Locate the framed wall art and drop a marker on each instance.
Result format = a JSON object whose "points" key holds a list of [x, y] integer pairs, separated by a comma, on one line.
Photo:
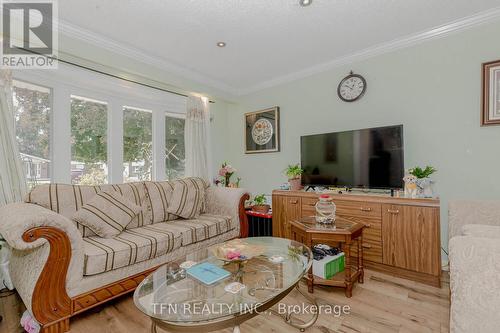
{"points": [[262, 131], [490, 114]]}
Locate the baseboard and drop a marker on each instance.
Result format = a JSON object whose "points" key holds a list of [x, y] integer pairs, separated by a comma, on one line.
{"points": [[432, 280]]}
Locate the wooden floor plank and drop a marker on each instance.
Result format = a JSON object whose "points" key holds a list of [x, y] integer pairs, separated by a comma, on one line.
{"points": [[382, 304]]}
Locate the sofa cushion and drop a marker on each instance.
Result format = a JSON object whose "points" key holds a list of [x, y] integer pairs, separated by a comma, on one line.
{"points": [[204, 227], [67, 199], [130, 247], [188, 198], [159, 195], [107, 213], [481, 230]]}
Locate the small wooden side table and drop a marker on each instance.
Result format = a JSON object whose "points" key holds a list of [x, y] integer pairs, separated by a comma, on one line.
{"points": [[343, 233]]}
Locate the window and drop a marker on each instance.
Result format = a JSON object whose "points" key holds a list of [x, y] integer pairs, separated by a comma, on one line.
{"points": [[32, 107], [174, 147], [137, 144], [67, 129], [89, 124]]}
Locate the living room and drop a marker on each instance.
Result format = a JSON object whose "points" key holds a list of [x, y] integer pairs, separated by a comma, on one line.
{"points": [[146, 146]]}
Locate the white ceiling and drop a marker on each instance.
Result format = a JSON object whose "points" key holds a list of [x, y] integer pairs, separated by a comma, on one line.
{"points": [[268, 41]]}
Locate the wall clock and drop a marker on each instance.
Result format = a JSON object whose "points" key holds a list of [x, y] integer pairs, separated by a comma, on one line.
{"points": [[351, 88]]}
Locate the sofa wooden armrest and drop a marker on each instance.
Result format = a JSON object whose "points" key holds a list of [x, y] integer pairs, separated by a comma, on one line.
{"points": [[45, 245], [51, 305]]}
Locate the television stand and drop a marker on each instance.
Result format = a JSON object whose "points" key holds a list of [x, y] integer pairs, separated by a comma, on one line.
{"points": [[401, 235]]}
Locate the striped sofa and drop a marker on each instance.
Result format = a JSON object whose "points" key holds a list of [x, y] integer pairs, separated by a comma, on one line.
{"points": [[61, 268]]}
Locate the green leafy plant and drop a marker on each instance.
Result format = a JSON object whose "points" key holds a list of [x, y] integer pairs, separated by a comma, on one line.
{"points": [[422, 173], [293, 171], [260, 200]]}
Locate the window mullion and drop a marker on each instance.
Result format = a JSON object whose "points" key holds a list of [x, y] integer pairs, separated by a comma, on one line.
{"points": [[115, 143], [61, 134], [158, 145]]}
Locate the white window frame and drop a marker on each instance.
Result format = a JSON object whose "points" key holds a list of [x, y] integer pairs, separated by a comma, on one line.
{"points": [[69, 80]]}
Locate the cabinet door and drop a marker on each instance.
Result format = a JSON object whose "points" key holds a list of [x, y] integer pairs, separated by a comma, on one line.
{"points": [[285, 209], [278, 216], [292, 212], [410, 237]]}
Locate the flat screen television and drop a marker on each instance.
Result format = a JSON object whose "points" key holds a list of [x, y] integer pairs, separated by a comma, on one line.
{"points": [[365, 158]]}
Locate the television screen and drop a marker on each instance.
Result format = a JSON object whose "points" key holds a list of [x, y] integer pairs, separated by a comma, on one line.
{"points": [[366, 158]]}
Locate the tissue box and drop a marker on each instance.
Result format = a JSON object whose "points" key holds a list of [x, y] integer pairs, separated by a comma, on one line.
{"points": [[329, 266]]}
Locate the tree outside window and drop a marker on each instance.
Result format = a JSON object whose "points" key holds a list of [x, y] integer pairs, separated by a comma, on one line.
{"points": [[89, 154], [137, 144]]}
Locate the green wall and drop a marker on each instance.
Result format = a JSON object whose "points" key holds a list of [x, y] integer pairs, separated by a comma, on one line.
{"points": [[433, 89]]}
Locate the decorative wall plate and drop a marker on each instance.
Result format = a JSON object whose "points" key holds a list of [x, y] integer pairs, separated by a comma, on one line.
{"points": [[262, 131]]}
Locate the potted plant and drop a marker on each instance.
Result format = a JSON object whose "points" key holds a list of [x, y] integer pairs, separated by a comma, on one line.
{"points": [[260, 204], [294, 172], [424, 182]]}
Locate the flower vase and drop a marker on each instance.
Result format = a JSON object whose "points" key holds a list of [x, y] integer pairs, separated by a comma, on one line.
{"points": [[227, 178]]}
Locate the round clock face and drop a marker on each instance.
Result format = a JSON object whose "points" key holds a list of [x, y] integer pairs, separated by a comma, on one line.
{"points": [[262, 131], [351, 88]]}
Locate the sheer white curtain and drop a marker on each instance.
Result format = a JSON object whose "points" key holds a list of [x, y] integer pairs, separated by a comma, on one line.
{"points": [[12, 177], [197, 138]]}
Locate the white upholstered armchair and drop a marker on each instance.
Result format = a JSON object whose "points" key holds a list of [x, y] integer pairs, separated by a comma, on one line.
{"points": [[474, 253]]}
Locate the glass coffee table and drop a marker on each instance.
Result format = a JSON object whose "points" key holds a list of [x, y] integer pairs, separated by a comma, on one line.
{"points": [[177, 302]]}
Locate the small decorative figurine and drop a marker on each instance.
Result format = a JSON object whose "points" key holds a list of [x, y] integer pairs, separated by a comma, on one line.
{"points": [[411, 188]]}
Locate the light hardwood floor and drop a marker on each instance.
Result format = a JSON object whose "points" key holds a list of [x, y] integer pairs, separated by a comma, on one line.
{"points": [[382, 304]]}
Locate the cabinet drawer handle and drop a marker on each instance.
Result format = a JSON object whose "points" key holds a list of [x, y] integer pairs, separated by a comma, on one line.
{"points": [[366, 246], [293, 202], [393, 211], [363, 209], [368, 225]]}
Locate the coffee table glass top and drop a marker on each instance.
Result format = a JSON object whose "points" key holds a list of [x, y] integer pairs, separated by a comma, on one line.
{"points": [[182, 298], [341, 225]]}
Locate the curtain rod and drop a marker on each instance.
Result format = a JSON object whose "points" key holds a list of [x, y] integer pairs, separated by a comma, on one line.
{"points": [[109, 74]]}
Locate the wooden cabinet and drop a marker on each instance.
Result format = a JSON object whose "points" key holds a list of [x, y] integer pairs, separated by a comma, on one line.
{"points": [[401, 236], [287, 209], [410, 235]]}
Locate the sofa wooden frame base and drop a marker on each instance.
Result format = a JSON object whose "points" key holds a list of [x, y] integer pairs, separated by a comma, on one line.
{"points": [[52, 307]]}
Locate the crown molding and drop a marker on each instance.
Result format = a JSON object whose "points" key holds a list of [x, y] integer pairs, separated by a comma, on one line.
{"points": [[92, 38], [408, 41], [84, 35]]}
